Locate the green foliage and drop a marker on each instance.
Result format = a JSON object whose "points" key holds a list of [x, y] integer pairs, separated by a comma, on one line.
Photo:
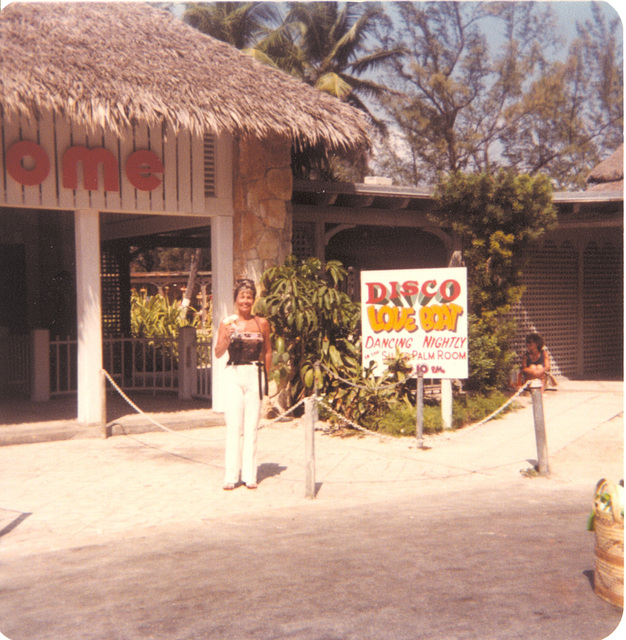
{"points": [[400, 418], [157, 317], [146, 259], [531, 103], [496, 216], [312, 321], [240, 24], [365, 398]]}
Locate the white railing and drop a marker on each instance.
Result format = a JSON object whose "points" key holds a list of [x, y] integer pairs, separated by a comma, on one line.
{"points": [[136, 364], [63, 373], [14, 363], [146, 364], [203, 364]]}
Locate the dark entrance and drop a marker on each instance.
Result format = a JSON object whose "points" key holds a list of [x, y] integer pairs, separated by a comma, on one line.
{"points": [[13, 305], [370, 248]]}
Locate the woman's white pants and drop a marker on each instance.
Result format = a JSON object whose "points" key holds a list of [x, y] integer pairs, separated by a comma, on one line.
{"points": [[243, 411]]}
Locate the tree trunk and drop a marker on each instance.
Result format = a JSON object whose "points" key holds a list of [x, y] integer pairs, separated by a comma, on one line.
{"points": [[191, 281]]}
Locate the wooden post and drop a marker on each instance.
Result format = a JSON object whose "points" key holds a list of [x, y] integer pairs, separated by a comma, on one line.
{"points": [[104, 430], [536, 393], [446, 403], [40, 365], [419, 406], [187, 363], [310, 418]]}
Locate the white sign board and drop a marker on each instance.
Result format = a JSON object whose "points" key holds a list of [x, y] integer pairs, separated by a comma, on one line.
{"points": [[422, 313]]}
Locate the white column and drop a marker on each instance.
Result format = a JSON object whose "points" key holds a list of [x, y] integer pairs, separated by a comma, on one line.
{"points": [[222, 287], [89, 314]]}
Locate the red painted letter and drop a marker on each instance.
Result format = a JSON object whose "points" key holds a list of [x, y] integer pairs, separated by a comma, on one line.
{"points": [[91, 160], [140, 169], [15, 167]]}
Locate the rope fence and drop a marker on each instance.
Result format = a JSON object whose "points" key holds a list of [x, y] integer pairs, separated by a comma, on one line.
{"points": [[311, 405]]}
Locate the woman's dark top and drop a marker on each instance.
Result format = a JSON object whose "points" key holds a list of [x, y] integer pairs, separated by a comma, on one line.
{"points": [[245, 347], [540, 359]]}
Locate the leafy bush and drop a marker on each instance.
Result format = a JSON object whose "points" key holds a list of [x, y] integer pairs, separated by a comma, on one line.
{"points": [[157, 317], [497, 216], [312, 321], [400, 418]]}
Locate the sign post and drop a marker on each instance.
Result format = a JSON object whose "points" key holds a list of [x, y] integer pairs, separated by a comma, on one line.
{"points": [[419, 414]]}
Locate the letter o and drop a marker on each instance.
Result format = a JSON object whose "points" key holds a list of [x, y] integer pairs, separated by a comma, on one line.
{"points": [[15, 168], [455, 291]]}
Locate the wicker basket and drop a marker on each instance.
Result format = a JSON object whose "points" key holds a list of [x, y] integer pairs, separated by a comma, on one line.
{"points": [[609, 550]]}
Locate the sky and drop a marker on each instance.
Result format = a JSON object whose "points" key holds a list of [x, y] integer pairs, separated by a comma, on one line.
{"points": [[568, 10]]}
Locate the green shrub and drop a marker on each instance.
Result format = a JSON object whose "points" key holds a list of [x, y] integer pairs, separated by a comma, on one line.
{"points": [[157, 317], [400, 418], [496, 215], [311, 321]]}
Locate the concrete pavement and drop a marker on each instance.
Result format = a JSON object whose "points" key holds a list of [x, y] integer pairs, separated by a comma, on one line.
{"points": [[88, 490]]}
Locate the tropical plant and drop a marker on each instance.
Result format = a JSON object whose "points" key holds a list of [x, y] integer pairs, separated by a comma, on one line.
{"points": [[334, 42], [312, 321], [157, 317], [328, 45], [496, 216], [240, 24], [367, 398]]}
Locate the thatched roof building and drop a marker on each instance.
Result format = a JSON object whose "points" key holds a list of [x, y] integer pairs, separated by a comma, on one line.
{"points": [[119, 63], [609, 174]]}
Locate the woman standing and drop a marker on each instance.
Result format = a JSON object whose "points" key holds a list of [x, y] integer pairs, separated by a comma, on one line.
{"points": [[246, 337]]}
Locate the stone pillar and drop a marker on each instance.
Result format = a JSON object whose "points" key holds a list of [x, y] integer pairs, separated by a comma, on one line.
{"points": [[263, 188]]}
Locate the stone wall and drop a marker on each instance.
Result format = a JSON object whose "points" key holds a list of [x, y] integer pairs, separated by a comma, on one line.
{"points": [[263, 185]]}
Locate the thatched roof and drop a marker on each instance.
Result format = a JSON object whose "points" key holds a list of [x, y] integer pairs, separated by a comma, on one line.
{"points": [[113, 64], [609, 174]]}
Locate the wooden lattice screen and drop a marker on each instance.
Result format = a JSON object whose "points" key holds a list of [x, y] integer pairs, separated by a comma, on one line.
{"points": [[603, 317], [115, 286], [549, 305], [575, 302], [302, 240]]}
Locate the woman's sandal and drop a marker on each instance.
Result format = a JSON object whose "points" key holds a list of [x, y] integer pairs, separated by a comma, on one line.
{"points": [[252, 485], [229, 487]]}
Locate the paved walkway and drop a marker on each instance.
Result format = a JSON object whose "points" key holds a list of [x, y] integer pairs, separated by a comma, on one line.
{"points": [[68, 492]]}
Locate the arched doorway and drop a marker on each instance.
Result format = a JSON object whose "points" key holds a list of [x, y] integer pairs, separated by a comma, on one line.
{"points": [[369, 248]]}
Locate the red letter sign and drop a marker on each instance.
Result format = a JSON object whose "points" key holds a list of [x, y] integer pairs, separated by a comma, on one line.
{"points": [[140, 169], [25, 149], [91, 160]]}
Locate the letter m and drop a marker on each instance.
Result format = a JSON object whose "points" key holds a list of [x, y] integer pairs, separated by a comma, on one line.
{"points": [[91, 160]]}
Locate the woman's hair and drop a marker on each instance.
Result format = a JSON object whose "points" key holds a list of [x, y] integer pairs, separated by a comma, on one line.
{"points": [[244, 283], [536, 338]]}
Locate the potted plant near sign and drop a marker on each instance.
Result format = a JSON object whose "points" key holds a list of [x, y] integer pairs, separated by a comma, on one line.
{"points": [[607, 522]]}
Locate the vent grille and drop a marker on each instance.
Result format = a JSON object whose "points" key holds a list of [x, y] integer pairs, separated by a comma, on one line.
{"points": [[210, 190]]}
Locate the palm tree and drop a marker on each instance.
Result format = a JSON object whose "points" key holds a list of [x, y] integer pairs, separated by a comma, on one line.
{"points": [[240, 24], [332, 41], [325, 44]]}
